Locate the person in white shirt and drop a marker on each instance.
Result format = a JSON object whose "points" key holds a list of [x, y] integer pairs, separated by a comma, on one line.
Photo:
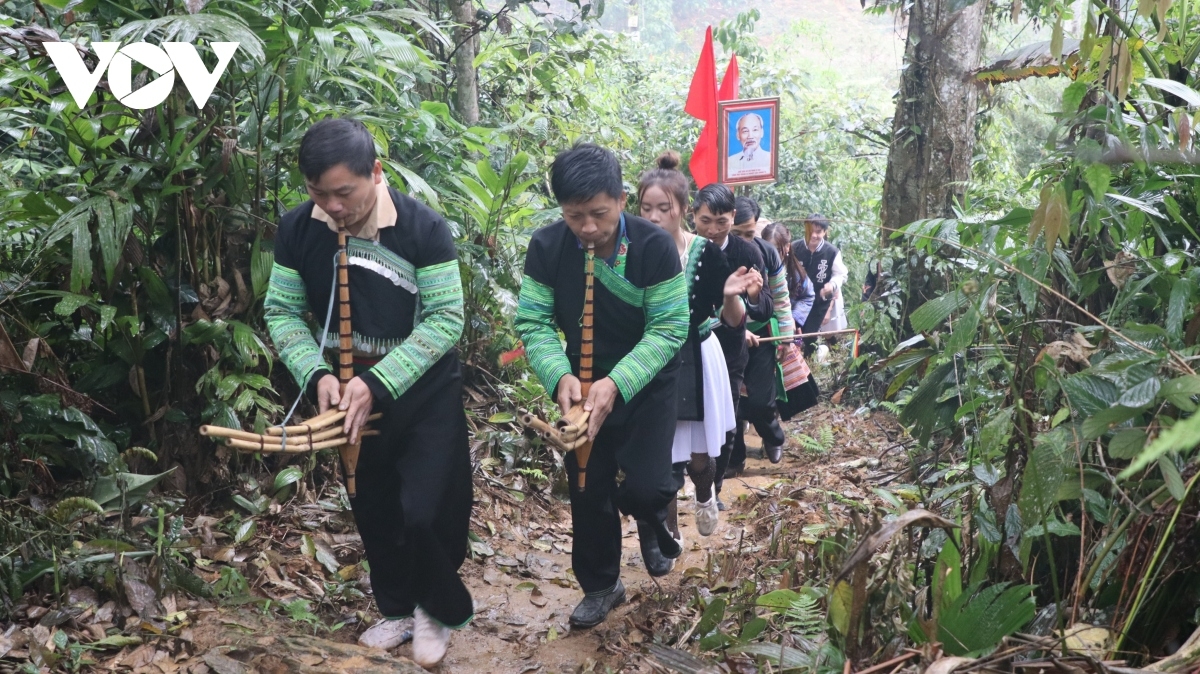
{"points": [[753, 160], [823, 263]]}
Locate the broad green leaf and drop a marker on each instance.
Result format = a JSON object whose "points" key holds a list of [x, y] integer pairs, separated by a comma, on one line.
{"points": [[69, 304], [921, 409], [114, 222], [979, 619], [1141, 395], [1104, 420], [1181, 437], [287, 477], [107, 491], [1098, 177], [1176, 89], [1043, 475], [840, 602], [964, 333], [245, 531], [994, 435], [779, 600], [712, 616], [1171, 476], [935, 311], [1177, 308], [247, 504], [1179, 391], [947, 575], [81, 256], [752, 629], [1088, 394], [1127, 443]]}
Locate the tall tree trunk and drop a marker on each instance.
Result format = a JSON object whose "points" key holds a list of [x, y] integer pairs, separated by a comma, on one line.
{"points": [[933, 132], [466, 80]]}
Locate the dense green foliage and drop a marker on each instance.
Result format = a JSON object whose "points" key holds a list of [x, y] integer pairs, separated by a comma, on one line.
{"points": [[1049, 386]]}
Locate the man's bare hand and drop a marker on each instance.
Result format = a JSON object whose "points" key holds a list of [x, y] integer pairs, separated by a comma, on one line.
{"points": [[356, 403], [329, 393], [601, 398], [826, 292], [754, 285], [741, 281], [568, 394], [751, 339]]}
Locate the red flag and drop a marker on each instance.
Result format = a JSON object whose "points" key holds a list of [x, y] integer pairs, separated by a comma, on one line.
{"points": [[702, 104], [703, 163], [731, 83], [702, 95]]}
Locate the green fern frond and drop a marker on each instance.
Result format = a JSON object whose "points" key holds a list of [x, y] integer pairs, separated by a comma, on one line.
{"points": [[891, 407], [804, 616], [810, 444], [826, 438]]}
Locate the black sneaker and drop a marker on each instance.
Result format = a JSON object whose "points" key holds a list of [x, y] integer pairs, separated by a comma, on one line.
{"points": [[774, 452], [733, 471], [595, 607], [657, 565]]}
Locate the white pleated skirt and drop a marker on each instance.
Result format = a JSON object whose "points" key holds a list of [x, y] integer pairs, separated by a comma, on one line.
{"points": [[707, 436]]}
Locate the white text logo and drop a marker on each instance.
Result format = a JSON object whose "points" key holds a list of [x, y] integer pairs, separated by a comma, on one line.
{"points": [[164, 60]]}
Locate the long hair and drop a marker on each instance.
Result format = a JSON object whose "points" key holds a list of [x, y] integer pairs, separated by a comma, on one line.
{"points": [[781, 238], [667, 177]]}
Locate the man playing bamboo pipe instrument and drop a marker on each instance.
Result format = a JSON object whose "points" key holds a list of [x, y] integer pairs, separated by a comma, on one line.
{"points": [[640, 310], [413, 501]]}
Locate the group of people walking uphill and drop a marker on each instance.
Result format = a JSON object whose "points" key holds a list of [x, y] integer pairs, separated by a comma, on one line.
{"points": [[678, 367]]}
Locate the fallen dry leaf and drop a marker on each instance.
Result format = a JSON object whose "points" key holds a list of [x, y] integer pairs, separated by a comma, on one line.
{"points": [[918, 517]]}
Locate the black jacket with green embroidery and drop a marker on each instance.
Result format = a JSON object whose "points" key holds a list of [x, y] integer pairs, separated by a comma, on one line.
{"points": [[406, 305], [641, 318]]}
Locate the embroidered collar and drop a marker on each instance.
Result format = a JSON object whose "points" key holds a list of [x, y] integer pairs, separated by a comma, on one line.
{"points": [[382, 215], [617, 259]]}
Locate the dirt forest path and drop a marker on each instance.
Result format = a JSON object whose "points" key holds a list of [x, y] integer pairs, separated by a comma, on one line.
{"points": [[520, 577]]}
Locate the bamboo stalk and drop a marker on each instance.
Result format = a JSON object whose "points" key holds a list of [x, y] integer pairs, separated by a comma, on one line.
{"points": [[299, 449], [316, 423], [349, 453], [298, 440], [583, 448], [785, 338]]}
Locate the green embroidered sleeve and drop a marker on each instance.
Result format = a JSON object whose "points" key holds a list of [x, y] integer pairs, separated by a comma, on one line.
{"points": [[440, 325], [536, 328], [782, 303], [666, 308], [285, 305]]}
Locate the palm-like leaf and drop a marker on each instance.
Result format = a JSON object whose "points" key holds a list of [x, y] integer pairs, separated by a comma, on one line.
{"points": [[189, 27]]}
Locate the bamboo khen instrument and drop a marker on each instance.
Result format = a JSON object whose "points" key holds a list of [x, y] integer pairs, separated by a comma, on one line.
{"points": [[570, 432], [323, 431]]}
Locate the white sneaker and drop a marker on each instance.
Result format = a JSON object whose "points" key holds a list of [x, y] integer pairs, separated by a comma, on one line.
{"points": [[707, 516], [430, 639], [386, 634]]}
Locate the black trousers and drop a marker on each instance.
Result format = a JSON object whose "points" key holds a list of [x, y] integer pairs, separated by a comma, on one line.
{"points": [[758, 406], [733, 345], [640, 446], [812, 324], [413, 507]]}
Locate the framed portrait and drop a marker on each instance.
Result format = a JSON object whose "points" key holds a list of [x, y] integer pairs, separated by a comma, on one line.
{"points": [[747, 134]]}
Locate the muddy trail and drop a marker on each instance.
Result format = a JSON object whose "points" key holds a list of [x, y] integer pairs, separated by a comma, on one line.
{"points": [[292, 596]]}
